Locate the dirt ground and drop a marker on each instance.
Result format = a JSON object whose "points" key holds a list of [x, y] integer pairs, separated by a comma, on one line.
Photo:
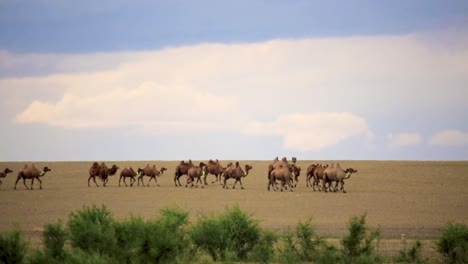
{"points": [[416, 198]]}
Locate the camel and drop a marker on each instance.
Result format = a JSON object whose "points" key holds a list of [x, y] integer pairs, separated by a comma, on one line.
{"points": [[283, 173], [151, 172], [310, 173], [215, 168], [128, 173], [4, 174], [197, 172], [181, 169], [276, 163], [236, 172], [338, 175], [296, 172], [31, 173], [318, 176], [101, 171]]}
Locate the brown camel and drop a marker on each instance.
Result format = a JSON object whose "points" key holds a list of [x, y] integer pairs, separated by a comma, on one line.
{"points": [[151, 172], [31, 173], [215, 168], [310, 173], [283, 173], [4, 174], [276, 163], [128, 173], [197, 172], [181, 169], [318, 176], [101, 171], [338, 175], [236, 172]]}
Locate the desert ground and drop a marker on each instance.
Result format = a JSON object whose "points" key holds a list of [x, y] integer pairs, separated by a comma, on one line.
{"points": [[416, 198]]}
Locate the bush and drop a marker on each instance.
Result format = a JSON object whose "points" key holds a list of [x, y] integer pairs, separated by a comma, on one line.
{"points": [[234, 232], [288, 252], [264, 250], [54, 238], [412, 255], [453, 244], [164, 240], [358, 243], [12, 247], [92, 229]]}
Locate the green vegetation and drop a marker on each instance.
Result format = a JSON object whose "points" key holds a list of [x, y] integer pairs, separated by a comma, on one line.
{"points": [[453, 244], [92, 235]]}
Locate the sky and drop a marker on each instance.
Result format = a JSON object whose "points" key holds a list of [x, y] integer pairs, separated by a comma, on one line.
{"points": [[233, 80]]}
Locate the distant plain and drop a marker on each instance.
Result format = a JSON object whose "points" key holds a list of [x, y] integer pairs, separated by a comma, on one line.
{"points": [[416, 198]]}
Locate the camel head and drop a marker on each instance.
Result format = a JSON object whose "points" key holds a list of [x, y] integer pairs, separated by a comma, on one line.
{"points": [[294, 159], [46, 169], [296, 170], [247, 168], [7, 170], [161, 171], [348, 172], [140, 170], [113, 170], [284, 159]]}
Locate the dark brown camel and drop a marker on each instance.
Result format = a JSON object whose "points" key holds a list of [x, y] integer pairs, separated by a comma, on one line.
{"points": [[197, 172], [283, 173], [128, 173], [151, 172], [318, 176], [296, 172], [181, 169], [31, 173], [236, 172], [4, 174], [102, 172], [215, 168], [310, 173]]}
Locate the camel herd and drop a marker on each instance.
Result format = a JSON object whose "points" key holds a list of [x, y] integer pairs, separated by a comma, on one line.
{"points": [[280, 172]]}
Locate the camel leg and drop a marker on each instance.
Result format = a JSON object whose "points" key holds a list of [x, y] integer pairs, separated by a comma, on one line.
{"points": [[234, 186], [121, 179], [141, 179], [152, 177], [94, 179], [132, 181], [40, 183], [17, 179], [342, 186], [156, 180], [240, 181]]}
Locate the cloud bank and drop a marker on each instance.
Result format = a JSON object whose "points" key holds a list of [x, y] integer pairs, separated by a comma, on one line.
{"points": [[449, 138], [313, 93]]}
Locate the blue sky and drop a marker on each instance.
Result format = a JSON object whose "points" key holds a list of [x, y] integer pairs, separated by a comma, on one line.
{"points": [[172, 80]]}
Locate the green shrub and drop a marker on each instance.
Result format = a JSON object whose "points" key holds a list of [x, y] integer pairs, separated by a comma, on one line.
{"points": [[164, 240], [92, 229], [233, 231], [307, 240], [287, 249], [411, 255], [54, 238], [329, 254], [453, 244], [12, 247], [264, 250], [358, 242]]}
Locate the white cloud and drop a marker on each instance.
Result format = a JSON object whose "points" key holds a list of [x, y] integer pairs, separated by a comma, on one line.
{"points": [[312, 131], [449, 138], [223, 86], [403, 139], [148, 106]]}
